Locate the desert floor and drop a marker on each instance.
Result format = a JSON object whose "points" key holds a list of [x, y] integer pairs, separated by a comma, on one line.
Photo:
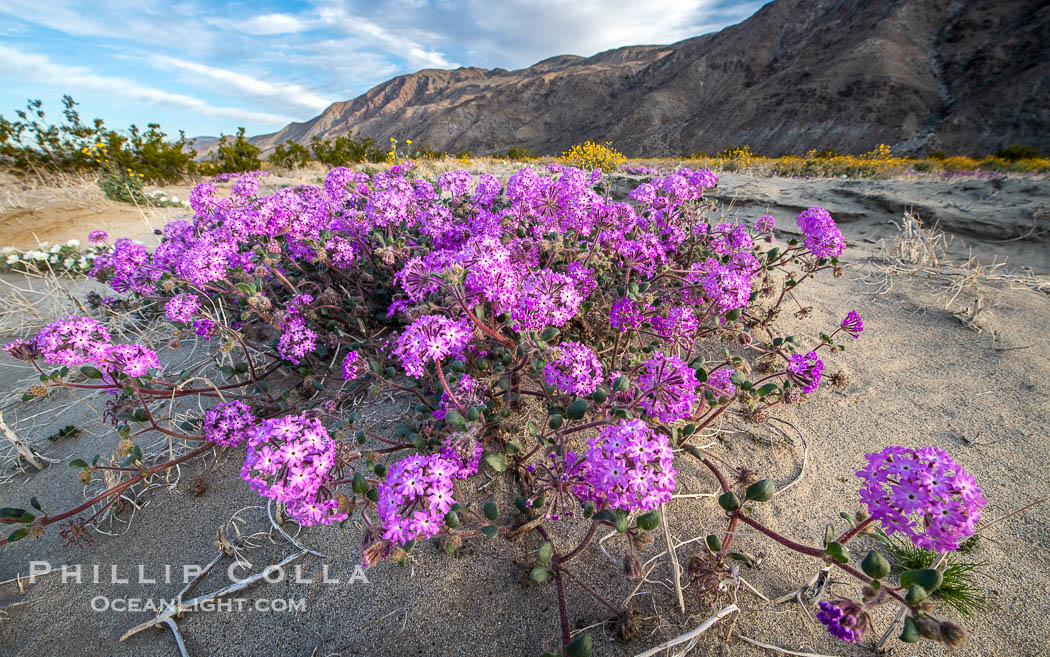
{"points": [[953, 355]]}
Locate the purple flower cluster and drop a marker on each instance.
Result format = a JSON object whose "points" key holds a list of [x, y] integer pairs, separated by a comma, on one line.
{"points": [[431, 338], [728, 286], [341, 252], [844, 619], [547, 299], [823, 237], [353, 366], [720, 383], [73, 341], [458, 183], [765, 224], [129, 360], [628, 466], [230, 423], [668, 388], [464, 452], [97, 236], [415, 497], [290, 460], [625, 315], [923, 494], [575, 370], [297, 340], [467, 391], [805, 371], [182, 307], [853, 324], [678, 323]]}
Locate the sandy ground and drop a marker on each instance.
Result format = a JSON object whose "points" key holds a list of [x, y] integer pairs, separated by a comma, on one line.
{"points": [[919, 376]]}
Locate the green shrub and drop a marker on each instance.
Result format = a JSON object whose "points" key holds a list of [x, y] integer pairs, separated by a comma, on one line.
{"points": [[1016, 152], [346, 150], [290, 155], [233, 157], [520, 153]]}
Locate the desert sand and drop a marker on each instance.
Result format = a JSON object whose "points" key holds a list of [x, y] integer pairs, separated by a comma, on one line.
{"points": [[953, 356]]}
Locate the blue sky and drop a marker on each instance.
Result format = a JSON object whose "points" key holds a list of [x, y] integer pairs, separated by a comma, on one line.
{"points": [[207, 67]]}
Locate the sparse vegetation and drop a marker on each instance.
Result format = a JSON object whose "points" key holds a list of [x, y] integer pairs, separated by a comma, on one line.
{"points": [[31, 145]]}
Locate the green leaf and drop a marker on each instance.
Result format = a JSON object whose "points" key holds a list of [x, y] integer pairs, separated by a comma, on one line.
{"points": [[496, 461], [838, 552], [740, 556], [546, 551], [359, 484], [512, 447], [455, 419], [588, 509], [17, 535], [714, 543], [606, 515], [621, 522], [928, 578], [729, 501], [577, 409], [452, 519], [78, 463], [875, 565], [621, 384], [649, 521], [910, 633], [9, 513], [33, 502], [916, 594], [760, 491], [581, 646], [490, 530], [554, 422], [538, 574], [91, 372], [141, 415], [491, 511]]}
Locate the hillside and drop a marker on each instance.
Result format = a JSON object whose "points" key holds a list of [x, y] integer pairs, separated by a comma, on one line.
{"points": [[956, 75]]}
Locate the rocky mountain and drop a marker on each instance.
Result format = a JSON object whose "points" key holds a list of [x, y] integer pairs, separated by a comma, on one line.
{"points": [[962, 76]]}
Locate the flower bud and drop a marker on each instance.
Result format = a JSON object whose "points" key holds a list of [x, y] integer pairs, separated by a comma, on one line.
{"points": [[953, 635], [928, 627]]}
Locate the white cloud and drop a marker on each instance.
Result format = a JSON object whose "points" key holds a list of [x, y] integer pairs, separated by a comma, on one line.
{"points": [[274, 24], [276, 93], [39, 69], [398, 41]]}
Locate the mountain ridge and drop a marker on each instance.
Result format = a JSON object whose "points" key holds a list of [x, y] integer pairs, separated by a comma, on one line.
{"points": [[962, 76]]}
